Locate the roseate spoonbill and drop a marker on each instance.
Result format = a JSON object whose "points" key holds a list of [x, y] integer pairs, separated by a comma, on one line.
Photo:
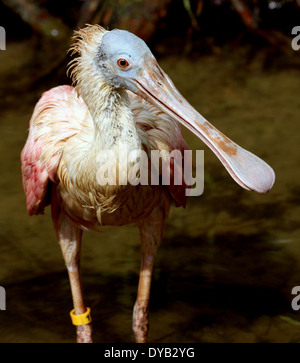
{"points": [[121, 96]]}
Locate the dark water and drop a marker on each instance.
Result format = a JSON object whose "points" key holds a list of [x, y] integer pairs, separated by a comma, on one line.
{"points": [[228, 261]]}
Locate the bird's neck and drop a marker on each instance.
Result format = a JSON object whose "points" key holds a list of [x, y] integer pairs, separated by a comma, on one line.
{"points": [[112, 116]]}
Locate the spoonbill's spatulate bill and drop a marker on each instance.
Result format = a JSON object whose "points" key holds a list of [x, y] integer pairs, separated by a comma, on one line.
{"points": [[121, 101]]}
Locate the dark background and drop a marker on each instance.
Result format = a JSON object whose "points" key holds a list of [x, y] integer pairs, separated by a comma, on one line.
{"points": [[229, 261]]}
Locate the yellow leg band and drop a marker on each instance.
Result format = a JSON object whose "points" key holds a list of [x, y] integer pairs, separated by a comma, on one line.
{"points": [[82, 319]]}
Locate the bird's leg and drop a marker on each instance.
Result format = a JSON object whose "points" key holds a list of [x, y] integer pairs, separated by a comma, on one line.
{"points": [[140, 312], [69, 238], [151, 231], [70, 242]]}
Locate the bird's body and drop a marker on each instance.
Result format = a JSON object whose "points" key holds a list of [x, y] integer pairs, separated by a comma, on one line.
{"points": [[60, 157], [123, 102]]}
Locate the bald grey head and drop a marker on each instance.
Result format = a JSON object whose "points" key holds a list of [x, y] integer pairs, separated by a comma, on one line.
{"points": [[121, 57]]}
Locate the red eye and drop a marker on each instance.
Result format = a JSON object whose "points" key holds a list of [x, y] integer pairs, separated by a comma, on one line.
{"points": [[122, 63]]}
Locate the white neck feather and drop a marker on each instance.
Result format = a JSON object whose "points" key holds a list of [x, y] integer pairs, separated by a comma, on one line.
{"points": [[109, 105]]}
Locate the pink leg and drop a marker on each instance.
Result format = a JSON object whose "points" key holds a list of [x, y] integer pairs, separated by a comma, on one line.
{"points": [[69, 238], [151, 230]]}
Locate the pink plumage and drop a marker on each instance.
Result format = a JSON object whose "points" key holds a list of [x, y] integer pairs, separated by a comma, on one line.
{"points": [[52, 108]]}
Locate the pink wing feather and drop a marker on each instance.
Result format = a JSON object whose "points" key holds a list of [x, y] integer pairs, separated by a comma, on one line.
{"points": [[35, 176], [57, 116], [178, 192]]}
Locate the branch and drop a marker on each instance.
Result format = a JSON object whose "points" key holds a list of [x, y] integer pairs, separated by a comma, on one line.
{"points": [[88, 11], [141, 17], [245, 13], [40, 20]]}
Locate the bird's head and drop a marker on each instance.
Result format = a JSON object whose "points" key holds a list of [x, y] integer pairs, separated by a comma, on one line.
{"points": [[119, 57], [122, 60], [122, 57]]}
